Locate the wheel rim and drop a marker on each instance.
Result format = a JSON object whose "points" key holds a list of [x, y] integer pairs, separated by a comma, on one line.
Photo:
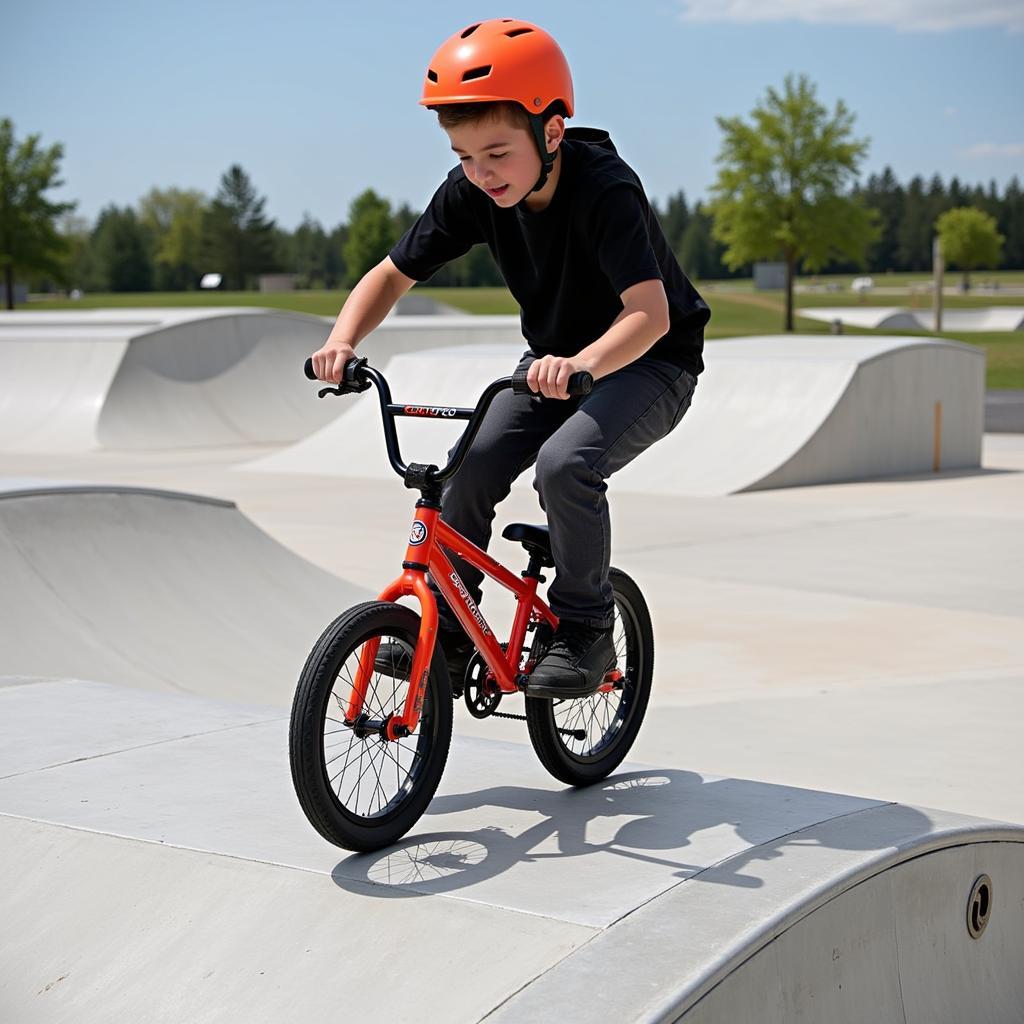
{"points": [[604, 716], [370, 778]]}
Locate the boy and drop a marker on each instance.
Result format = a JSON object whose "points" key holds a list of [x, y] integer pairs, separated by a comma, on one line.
{"points": [[570, 227]]}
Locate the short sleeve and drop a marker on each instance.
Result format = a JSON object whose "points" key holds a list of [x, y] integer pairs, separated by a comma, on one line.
{"points": [[444, 231], [622, 243]]}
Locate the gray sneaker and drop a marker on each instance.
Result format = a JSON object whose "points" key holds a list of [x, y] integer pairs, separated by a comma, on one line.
{"points": [[575, 664]]}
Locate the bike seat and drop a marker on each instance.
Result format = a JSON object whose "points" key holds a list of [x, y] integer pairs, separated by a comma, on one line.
{"points": [[535, 539]]}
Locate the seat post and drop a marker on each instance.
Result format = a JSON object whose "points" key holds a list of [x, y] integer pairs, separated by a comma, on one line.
{"points": [[533, 569]]}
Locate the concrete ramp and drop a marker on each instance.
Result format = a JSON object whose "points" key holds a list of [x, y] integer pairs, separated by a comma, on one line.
{"points": [[216, 380], [871, 318], [55, 380], [155, 378], [155, 855], [775, 411], [875, 318], [155, 589], [181, 378]]}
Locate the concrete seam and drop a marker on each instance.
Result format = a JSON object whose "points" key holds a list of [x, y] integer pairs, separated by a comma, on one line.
{"points": [[367, 885], [141, 746], [526, 984]]}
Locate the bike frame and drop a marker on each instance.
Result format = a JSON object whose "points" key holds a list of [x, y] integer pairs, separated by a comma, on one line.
{"points": [[425, 552], [428, 540]]}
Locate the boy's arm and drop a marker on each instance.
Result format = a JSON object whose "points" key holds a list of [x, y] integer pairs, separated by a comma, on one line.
{"points": [[643, 320], [366, 306]]}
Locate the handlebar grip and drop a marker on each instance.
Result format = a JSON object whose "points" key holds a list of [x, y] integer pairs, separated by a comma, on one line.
{"points": [[353, 379], [519, 385], [580, 383]]}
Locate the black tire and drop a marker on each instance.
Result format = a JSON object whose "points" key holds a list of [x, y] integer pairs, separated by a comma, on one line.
{"points": [[345, 815], [610, 720]]}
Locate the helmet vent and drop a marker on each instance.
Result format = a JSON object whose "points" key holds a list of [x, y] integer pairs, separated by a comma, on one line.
{"points": [[481, 72], [432, 75], [469, 31], [518, 32]]}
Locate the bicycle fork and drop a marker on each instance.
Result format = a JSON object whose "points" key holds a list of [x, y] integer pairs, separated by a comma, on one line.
{"points": [[424, 554]]}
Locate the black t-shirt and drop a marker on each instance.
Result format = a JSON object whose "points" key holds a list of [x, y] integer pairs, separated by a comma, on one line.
{"points": [[567, 264]]}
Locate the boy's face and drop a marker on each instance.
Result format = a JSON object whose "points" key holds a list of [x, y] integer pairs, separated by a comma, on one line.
{"points": [[498, 157]]}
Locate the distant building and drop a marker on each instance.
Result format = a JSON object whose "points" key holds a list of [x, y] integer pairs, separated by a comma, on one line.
{"points": [[278, 282], [769, 276]]}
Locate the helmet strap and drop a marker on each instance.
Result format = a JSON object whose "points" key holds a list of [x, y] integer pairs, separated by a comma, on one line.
{"points": [[547, 160]]}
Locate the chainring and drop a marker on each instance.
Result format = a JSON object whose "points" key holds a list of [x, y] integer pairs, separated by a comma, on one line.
{"points": [[481, 693]]}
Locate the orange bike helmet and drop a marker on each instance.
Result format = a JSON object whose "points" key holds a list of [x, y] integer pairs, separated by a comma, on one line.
{"points": [[503, 60]]}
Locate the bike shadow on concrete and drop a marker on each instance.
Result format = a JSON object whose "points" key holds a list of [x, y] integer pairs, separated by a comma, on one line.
{"points": [[663, 824]]}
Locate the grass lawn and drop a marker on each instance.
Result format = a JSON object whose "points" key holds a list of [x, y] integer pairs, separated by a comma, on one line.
{"points": [[736, 310]]}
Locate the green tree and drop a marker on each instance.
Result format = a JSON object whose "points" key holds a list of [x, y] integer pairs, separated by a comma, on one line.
{"points": [[884, 194], [1012, 223], [405, 217], [697, 248], [79, 261], [969, 239], [782, 187], [121, 250], [371, 234], [335, 270], [310, 253], [29, 240], [674, 220], [238, 240], [914, 231], [174, 219]]}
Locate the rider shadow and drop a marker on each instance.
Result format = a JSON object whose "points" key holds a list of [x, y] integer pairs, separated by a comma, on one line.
{"points": [[678, 824]]}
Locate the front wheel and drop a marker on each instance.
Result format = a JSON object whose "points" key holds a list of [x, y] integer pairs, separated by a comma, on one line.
{"points": [[358, 789], [582, 741]]}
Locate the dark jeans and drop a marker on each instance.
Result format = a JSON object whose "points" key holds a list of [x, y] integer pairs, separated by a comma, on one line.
{"points": [[576, 445]]}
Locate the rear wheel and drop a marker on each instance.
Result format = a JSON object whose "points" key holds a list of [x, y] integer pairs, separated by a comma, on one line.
{"points": [[582, 741], [358, 789]]}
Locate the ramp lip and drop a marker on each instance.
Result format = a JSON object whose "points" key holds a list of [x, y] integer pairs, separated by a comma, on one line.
{"points": [[745, 933], [58, 489]]}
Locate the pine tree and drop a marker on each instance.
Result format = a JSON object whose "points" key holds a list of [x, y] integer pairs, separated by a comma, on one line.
{"points": [[238, 240]]}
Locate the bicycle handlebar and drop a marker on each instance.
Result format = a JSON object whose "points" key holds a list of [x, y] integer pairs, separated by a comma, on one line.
{"points": [[358, 375]]}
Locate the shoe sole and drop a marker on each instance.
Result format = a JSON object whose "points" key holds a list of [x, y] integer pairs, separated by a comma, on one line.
{"points": [[553, 690]]}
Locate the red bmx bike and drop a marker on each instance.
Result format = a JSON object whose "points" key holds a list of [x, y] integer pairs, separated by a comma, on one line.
{"points": [[369, 741]]}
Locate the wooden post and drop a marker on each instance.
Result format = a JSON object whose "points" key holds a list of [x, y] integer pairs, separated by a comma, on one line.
{"points": [[937, 269]]}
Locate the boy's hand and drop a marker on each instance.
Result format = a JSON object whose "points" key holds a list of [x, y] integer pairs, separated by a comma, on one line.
{"points": [[329, 362], [549, 375]]}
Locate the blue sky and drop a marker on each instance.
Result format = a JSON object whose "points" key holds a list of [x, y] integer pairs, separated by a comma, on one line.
{"points": [[318, 101]]}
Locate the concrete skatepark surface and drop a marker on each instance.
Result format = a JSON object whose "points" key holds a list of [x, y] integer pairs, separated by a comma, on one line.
{"points": [[822, 652]]}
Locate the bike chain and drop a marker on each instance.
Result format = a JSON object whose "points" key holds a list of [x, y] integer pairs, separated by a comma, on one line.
{"points": [[578, 734]]}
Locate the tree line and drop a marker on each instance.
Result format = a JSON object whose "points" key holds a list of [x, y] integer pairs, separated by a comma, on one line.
{"points": [[172, 237]]}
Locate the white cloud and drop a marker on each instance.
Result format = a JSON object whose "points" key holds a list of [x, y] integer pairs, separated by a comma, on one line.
{"points": [[909, 15], [987, 150]]}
